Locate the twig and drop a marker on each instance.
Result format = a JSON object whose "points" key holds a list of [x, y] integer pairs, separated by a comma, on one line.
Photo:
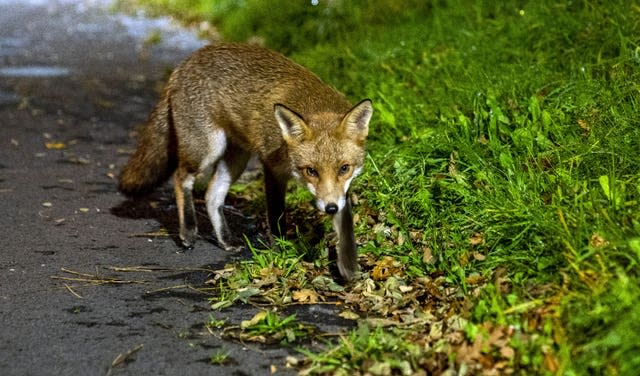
{"points": [[122, 357], [99, 281], [188, 287], [73, 292], [146, 269], [93, 279], [157, 234]]}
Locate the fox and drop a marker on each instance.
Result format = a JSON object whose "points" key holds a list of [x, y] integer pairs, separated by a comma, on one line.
{"points": [[227, 102]]}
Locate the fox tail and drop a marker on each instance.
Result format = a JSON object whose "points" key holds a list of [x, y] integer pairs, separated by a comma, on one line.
{"points": [[155, 158]]}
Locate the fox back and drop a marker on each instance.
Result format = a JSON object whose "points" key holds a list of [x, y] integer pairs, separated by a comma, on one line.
{"points": [[235, 87]]}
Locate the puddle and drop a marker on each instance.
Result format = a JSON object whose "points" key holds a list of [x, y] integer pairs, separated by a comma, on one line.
{"points": [[8, 98], [34, 71], [9, 46]]}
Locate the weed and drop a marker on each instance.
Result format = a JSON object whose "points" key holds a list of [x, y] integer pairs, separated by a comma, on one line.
{"points": [[219, 357], [214, 323], [269, 327]]}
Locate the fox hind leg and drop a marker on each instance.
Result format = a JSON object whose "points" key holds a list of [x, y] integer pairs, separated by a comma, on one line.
{"points": [[227, 171], [186, 210]]}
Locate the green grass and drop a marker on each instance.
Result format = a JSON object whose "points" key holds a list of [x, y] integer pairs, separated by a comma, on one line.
{"points": [[504, 163]]}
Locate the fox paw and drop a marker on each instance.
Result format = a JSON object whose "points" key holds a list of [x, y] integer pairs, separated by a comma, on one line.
{"points": [[232, 245], [186, 244]]}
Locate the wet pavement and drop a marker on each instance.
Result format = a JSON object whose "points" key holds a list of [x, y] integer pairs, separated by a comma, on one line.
{"points": [[85, 287]]}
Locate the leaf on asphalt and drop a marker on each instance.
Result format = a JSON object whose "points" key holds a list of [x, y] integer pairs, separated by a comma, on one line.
{"points": [[255, 320], [221, 305], [55, 145], [306, 295]]}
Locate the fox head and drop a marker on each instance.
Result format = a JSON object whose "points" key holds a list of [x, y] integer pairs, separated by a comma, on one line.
{"points": [[326, 150]]}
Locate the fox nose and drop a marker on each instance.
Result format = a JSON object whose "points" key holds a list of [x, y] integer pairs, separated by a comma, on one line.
{"points": [[331, 208]]}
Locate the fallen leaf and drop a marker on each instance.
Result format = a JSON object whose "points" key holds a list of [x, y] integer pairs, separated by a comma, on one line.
{"points": [[349, 315], [479, 256], [326, 284], [55, 145], [476, 239], [386, 268], [257, 318], [584, 126], [550, 362], [247, 292], [427, 256], [306, 295], [598, 241], [507, 352], [474, 279], [404, 288], [271, 272]]}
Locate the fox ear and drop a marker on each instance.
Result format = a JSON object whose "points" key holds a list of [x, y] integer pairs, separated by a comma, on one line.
{"points": [[356, 121], [292, 125]]}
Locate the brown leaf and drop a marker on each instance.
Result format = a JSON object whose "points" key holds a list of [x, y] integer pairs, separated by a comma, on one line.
{"points": [[507, 352], [306, 295], [427, 256], [386, 268], [550, 362], [479, 256], [401, 238], [584, 126], [270, 272], [474, 279], [597, 241], [476, 239]]}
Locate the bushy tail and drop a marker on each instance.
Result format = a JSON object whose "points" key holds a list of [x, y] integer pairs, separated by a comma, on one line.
{"points": [[155, 159]]}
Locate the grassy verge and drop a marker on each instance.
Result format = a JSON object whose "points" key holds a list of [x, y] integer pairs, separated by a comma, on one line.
{"points": [[499, 212]]}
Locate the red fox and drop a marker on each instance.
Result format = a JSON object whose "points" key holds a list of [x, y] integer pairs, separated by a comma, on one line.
{"points": [[227, 102]]}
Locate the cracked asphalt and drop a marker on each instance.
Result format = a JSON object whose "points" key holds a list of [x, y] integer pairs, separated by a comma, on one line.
{"points": [[85, 286]]}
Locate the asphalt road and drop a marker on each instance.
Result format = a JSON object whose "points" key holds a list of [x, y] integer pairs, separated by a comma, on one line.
{"points": [[75, 80]]}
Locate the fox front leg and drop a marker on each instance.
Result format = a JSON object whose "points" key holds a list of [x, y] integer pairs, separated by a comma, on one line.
{"points": [[275, 189], [347, 251]]}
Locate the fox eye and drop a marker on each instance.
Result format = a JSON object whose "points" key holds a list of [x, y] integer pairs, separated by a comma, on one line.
{"points": [[310, 171], [344, 169]]}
